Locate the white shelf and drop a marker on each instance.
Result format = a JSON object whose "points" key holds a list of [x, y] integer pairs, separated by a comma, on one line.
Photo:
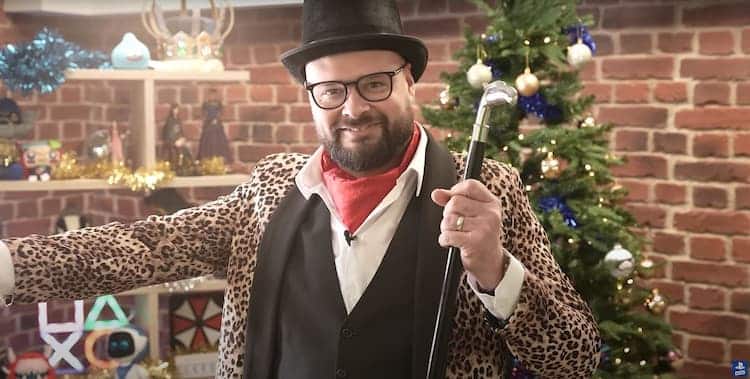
{"points": [[208, 285], [101, 184], [97, 74], [108, 7]]}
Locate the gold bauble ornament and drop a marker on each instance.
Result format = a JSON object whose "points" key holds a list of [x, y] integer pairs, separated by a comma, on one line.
{"points": [[551, 167], [527, 83], [447, 101], [656, 302]]}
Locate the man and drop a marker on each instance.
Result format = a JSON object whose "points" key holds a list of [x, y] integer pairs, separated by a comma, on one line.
{"points": [[335, 261]]}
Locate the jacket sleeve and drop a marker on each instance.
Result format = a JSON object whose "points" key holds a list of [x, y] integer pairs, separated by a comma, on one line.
{"points": [[117, 257], [551, 330]]}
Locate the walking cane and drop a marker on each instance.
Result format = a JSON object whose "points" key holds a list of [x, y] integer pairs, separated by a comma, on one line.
{"points": [[495, 94]]}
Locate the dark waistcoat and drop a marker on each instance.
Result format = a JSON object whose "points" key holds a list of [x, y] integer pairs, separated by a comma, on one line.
{"points": [[316, 337]]}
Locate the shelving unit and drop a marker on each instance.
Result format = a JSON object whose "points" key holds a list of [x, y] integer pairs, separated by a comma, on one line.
{"points": [[101, 184], [144, 131]]}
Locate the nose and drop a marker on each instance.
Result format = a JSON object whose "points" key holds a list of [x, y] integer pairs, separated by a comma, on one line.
{"points": [[355, 104]]}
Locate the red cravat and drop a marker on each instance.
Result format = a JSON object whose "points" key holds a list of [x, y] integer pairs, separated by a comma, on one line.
{"points": [[355, 197]]}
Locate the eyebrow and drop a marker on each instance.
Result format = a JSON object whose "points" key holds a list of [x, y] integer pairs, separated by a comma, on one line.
{"points": [[307, 83]]}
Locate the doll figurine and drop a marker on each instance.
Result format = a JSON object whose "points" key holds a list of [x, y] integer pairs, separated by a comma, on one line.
{"points": [[115, 145], [213, 141], [175, 148]]}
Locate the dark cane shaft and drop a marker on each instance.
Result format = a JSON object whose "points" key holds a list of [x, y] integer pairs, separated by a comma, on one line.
{"points": [[453, 268]]}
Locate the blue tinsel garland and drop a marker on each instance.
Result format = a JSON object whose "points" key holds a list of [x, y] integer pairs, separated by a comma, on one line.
{"points": [[537, 105], [586, 38], [551, 203], [40, 64]]}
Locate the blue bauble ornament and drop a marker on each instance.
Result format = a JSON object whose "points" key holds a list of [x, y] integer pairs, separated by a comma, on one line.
{"points": [[130, 54], [580, 30]]}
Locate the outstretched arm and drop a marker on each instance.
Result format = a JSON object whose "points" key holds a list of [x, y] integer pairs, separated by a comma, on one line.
{"points": [[117, 257]]}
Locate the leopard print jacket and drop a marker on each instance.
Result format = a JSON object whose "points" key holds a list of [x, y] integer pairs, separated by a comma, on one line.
{"points": [[552, 330]]}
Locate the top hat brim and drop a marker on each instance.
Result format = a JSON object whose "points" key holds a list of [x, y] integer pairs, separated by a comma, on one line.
{"points": [[412, 49]]}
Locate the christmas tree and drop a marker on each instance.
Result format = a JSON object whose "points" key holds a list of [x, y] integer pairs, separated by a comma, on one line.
{"points": [[563, 157]]}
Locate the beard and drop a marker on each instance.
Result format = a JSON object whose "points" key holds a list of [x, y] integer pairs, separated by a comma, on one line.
{"points": [[394, 137]]}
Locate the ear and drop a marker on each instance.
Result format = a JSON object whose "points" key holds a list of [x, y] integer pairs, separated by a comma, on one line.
{"points": [[409, 79]]}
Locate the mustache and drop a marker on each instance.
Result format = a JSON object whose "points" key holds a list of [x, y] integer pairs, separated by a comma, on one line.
{"points": [[366, 118]]}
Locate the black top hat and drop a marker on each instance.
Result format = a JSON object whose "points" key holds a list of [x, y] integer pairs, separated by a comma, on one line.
{"points": [[337, 26]]}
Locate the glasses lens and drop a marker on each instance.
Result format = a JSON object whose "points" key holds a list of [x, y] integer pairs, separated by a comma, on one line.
{"points": [[375, 87], [329, 95]]}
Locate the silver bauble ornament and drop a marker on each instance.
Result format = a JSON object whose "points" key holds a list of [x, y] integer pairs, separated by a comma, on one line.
{"points": [[479, 74], [619, 261], [527, 83], [578, 54], [97, 145]]}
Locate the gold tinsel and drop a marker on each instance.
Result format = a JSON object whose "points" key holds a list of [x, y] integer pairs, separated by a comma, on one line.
{"points": [[142, 179], [212, 166], [67, 167], [156, 370]]}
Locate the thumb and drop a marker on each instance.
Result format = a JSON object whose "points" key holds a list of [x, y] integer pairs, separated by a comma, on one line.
{"points": [[441, 196]]}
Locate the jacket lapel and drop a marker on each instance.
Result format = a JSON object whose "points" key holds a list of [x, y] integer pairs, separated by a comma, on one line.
{"points": [[440, 172], [273, 253]]}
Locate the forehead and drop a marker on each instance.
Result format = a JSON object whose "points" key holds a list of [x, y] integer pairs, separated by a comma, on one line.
{"points": [[351, 65]]}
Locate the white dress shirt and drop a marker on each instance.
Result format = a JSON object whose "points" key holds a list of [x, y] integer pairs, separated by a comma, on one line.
{"points": [[356, 264]]}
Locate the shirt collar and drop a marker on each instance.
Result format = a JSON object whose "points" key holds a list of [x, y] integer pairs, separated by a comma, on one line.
{"points": [[309, 179]]}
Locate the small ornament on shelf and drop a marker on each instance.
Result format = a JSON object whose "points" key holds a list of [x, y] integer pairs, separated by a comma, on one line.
{"points": [[115, 145], [655, 303], [175, 150], [38, 157], [130, 54], [619, 261], [213, 142], [15, 123]]}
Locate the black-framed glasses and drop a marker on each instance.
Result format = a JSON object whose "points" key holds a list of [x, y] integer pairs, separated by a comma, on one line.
{"points": [[373, 87]]}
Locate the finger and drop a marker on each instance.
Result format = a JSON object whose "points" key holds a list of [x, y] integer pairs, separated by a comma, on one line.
{"points": [[473, 189], [463, 206], [453, 238], [441, 196], [450, 223]]}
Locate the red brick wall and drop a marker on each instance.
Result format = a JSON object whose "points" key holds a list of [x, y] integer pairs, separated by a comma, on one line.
{"points": [[673, 76]]}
